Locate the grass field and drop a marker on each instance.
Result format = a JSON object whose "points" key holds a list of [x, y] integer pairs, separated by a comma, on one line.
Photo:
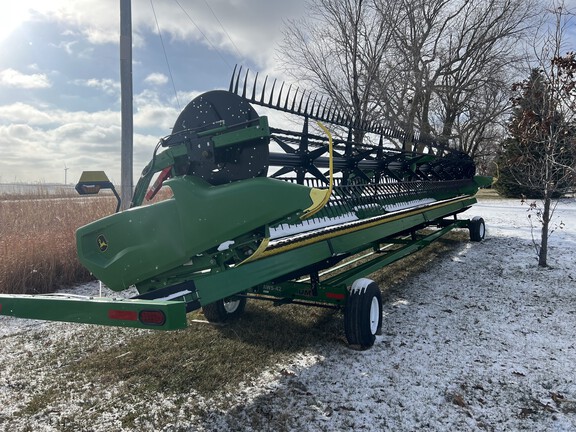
{"points": [[37, 240]]}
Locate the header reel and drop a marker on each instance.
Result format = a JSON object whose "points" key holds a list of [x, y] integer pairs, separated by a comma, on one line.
{"points": [[220, 138]]}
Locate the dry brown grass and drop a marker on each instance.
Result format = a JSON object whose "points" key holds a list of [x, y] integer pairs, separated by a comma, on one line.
{"points": [[37, 237], [37, 241], [488, 194]]}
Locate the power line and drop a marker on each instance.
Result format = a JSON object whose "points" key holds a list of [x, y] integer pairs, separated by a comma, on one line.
{"points": [[223, 29], [202, 33], [165, 54]]}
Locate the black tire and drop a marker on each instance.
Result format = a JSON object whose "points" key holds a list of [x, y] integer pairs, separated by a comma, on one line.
{"points": [[477, 229], [224, 310], [363, 313]]}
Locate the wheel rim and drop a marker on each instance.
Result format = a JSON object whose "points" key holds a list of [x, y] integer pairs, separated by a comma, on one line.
{"points": [[374, 315], [230, 306], [482, 230]]}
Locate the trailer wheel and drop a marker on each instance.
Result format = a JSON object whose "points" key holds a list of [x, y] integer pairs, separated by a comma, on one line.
{"points": [[363, 313], [224, 310], [477, 229]]}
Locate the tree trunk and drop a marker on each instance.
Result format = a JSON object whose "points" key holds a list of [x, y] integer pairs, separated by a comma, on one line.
{"points": [[543, 253]]}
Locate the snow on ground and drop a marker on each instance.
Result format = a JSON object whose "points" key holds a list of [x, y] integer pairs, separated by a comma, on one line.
{"points": [[482, 341]]}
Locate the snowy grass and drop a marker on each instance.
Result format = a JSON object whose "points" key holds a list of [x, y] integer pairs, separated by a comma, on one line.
{"points": [[478, 338]]}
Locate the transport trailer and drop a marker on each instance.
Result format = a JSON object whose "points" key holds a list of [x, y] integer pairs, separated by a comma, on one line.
{"points": [[265, 213]]}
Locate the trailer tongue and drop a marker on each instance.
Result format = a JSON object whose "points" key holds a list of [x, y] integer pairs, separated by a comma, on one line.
{"points": [[331, 211]]}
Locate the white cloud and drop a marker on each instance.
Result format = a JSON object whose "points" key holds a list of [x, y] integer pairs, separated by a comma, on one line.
{"points": [[45, 116], [83, 140], [107, 85], [156, 79], [13, 78], [67, 46], [248, 29], [20, 113]]}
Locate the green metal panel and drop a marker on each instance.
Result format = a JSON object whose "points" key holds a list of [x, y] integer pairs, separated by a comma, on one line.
{"points": [[332, 294], [140, 243], [213, 287], [358, 236], [95, 310], [261, 131]]}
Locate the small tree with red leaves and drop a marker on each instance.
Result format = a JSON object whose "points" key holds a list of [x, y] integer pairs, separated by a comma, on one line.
{"points": [[538, 160]]}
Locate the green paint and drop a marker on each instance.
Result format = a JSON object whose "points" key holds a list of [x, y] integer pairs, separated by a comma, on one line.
{"points": [[94, 310], [144, 242]]}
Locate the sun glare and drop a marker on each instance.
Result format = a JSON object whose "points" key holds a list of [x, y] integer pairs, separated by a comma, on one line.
{"points": [[15, 13]]}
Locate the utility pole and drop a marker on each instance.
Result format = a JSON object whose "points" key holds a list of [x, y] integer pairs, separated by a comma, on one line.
{"points": [[65, 175], [126, 186]]}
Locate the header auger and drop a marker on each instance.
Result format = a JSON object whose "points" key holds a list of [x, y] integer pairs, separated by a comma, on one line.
{"points": [[264, 212]]}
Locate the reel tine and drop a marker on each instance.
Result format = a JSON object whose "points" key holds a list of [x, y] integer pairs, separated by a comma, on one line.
{"points": [[332, 114], [287, 97], [231, 87], [326, 106], [278, 105], [307, 102], [300, 104], [380, 147], [272, 93], [245, 82], [294, 100], [349, 139], [254, 88], [348, 119], [319, 105], [311, 113], [238, 80], [263, 89]]}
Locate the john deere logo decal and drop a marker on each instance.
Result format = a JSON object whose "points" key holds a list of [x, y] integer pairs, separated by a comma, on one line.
{"points": [[102, 243]]}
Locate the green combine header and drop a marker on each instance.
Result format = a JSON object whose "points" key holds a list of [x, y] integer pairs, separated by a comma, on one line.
{"points": [[259, 212]]}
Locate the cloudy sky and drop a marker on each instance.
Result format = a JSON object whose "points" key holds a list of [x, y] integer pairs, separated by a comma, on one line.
{"points": [[60, 75]]}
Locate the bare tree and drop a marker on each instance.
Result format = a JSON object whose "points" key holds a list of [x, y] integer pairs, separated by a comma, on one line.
{"points": [[338, 50], [540, 155], [436, 67], [451, 63]]}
